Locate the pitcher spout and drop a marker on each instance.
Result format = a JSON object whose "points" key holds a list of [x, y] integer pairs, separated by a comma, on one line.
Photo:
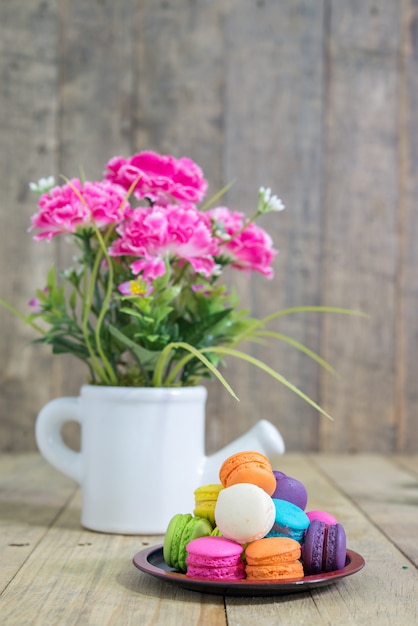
{"points": [[262, 437]]}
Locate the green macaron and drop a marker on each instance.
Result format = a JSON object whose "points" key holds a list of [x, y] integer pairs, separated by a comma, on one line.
{"points": [[180, 531]]}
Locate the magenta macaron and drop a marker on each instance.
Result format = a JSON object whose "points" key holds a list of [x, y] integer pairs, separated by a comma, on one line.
{"points": [[324, 548], [215, 558], [322, 516]]}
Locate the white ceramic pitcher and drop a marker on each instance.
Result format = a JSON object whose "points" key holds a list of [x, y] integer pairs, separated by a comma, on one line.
{"points": [[142, 453]]}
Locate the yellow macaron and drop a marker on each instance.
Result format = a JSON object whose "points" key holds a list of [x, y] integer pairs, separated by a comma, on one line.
{"points": [[206, 497]]}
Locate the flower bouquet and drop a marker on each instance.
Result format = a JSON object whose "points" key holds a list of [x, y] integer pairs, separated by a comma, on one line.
{"points": [[143, 303]]}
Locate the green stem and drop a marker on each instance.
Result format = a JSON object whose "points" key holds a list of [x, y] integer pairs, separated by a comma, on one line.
{"points": [[157, 378], [105, 304], [106, 373], [22, 317], [177, 369], [163, 358], [241, 230], [297, 309], [298, 346], [109, 286], [303, 309], [88, 298], [217, 195]]}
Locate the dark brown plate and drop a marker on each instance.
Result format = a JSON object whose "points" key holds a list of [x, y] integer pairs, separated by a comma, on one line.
{"points": [[151, 561]]}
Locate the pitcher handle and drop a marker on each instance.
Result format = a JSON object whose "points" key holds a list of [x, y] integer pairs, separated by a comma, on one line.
{"points": [[49, 439]]}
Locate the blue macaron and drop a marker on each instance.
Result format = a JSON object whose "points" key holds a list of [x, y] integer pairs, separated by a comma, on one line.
{"points": [[291, 521]]}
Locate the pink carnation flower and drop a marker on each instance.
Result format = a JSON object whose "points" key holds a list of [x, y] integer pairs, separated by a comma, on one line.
{"points": [[74, 205], [158, 234], [250, 250], [160, 177]]}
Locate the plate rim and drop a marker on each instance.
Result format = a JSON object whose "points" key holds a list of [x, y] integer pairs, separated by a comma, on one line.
{"points": [[245, 586]]}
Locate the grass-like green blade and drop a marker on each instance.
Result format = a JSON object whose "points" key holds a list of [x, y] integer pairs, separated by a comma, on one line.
{"points": [[299, 346], [216, 196], [305, 309], [158, 373], [246, 357]]}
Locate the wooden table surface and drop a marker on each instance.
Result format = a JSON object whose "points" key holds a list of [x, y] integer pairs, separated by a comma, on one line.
{"points": [[52, 571]]}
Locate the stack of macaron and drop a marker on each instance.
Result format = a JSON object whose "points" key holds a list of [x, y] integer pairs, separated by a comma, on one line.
{"points": [[253, 525]]}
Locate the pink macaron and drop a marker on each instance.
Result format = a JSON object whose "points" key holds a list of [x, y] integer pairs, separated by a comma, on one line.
{"points": [[215, 558], [322, 516]]}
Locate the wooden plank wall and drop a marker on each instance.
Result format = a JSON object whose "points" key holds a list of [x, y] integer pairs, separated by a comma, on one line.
{"points": [[318, 100]]}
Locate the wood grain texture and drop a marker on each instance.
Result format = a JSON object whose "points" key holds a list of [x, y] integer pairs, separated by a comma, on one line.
{"points": [[273, 138], [28, 108], [314, 99], [334, 483], [361, 204], [407, 287], [31, 498], [67, 575], [391, 502]]}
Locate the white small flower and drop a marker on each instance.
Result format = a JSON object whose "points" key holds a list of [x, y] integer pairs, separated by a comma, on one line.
{"points": [[219, 230], [268, 203], [43, 185]]}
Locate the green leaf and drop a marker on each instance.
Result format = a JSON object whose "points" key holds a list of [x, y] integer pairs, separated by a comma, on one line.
{"points": [[132, 312], [216, 196], [304, 309], [61, 345], [298, 346], [27, 319], [196, 332], [162, 313], [57, 297], [51, 278], [144, 356], [162, 361], [72, 300], [167, 295], [268, 370]]}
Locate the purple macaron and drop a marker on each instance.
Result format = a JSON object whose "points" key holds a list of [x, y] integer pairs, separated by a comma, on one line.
{"points": [[324, 548], [290, 489]]}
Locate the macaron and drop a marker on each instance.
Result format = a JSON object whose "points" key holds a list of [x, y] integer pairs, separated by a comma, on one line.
{"points": [[290, 489], [244, 512], [273, 558], [324, 549], [205, 501], [290, 521], [215, 558], [182, 529], [248, 467], [322, 516]]}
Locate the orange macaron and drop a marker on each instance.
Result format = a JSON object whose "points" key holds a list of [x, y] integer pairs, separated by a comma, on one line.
{"points": [[273, 558], [248, 467]]}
